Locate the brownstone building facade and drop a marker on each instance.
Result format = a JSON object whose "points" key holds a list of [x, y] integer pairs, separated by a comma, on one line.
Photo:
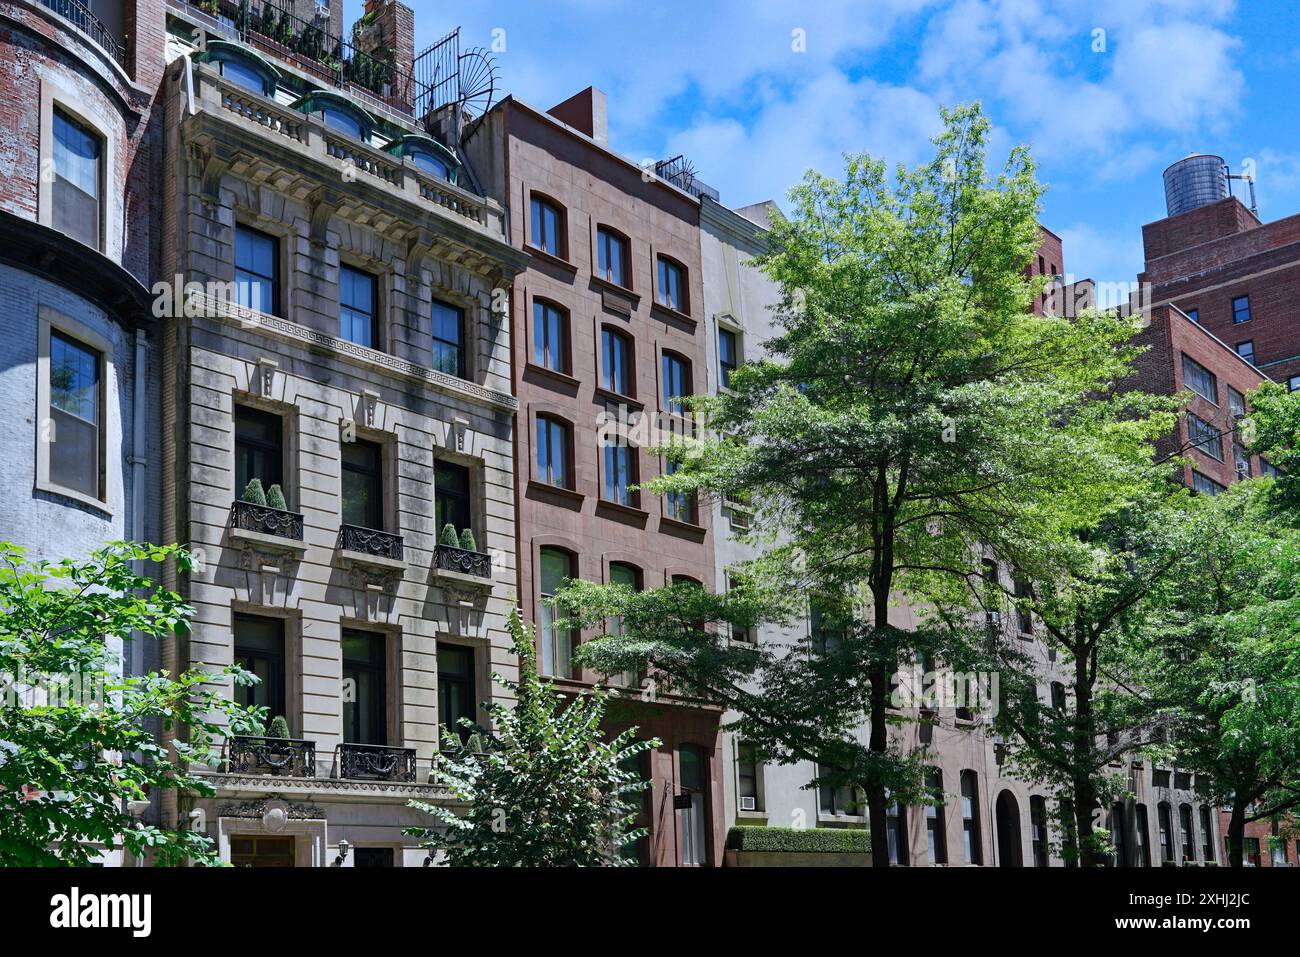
{"points": [[607, 328]]}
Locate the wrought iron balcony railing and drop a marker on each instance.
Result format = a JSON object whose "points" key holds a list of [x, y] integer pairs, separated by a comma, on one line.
{"points": [[252, 517], [376, 762], [462, 560], [80, 16], [289, 757], [370, 541]]}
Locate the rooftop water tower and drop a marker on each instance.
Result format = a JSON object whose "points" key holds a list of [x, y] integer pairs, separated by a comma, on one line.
{"points": [[1195, 181]]}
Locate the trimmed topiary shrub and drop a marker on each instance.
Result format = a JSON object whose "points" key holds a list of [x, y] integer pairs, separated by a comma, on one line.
{"points": [[449, 536], [467, 541], [275, 498], [807, 840], [279, 727], [253, 492]]}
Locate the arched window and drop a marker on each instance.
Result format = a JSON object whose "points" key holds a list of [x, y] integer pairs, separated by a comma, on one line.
{"points": [[936, 836], [337, 112], [616, 362], [612, 257], [1038, 825], [546, 226], [242, 67], [550, 336], [427, 155], [556, 565], [896, 829], [1188, 834], [1164, 820], [1207, 836], [553, 452], [1058, 696], [970, 818], [1142, 834]]}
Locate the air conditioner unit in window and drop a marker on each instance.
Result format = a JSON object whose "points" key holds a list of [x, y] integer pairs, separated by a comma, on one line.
{"points": [[748, 804]]}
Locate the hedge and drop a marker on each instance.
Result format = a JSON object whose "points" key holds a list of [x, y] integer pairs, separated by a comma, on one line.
{"points": [[807, 840]]}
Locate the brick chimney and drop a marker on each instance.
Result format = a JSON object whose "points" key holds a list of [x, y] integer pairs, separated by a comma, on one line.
{"points": [[394, 30], [587, 112]]}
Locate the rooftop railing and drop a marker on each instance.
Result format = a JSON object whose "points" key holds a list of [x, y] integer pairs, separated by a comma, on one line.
{"points": [[80, 16]]}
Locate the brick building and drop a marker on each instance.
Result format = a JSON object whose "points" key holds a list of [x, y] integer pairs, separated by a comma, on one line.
{"points": [[608, 329], [1235, 275]]}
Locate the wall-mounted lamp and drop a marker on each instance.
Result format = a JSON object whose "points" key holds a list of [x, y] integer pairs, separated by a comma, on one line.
{"points": [[344, 847]]}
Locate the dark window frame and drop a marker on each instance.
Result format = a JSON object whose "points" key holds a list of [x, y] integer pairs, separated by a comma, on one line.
{"points": [[671, 287], [607, 239], [1240, 306], [545, 470], [609, 338], [370, 311], [375, 664], [376, 511], [439, 346], [541, 203], [546, 354]]}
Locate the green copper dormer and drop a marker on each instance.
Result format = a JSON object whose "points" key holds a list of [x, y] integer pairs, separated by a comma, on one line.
{"points": [[428, 155], [338, 113], [241, 65]]}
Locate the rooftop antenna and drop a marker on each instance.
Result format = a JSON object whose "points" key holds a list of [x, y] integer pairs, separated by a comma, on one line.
{"points": [[1247, 175]]}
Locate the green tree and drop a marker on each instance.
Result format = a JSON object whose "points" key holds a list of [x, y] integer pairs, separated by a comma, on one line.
{"points": [[1092, 612], [914, 416], [1223, 662], [1274, 428], [75, 738], [547, 787]]}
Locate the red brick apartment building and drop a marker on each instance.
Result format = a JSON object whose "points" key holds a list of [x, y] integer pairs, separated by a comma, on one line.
{"points": [[607, 322], [1237, 276]]}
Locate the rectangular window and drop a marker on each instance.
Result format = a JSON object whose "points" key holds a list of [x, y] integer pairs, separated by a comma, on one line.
{"points": [[620, 473], [676, 382], [1293, 384], [1241, 460], [671, 285], [550, 337], [1194, 315], [552, 452], [1200, 380], [78, 178], [257, 270], [557, 643], [747, 769], [372, 857], [365, 667], [611, 252], [1268, 468], [1207, 836], [449, 349], [1165, 822], [456, 699], [1241, 309], [75, 373], [1236, 404], [896, 832], [259, 649], [1024, 619], [1247, 350], [934, 830], [1205, 485], [970, 822], [615, 362], [1250, 851], [358, 307], [838, 801], [727, 356], [363, 484], [1204, 436], [451, 496], [680, 505], [259, 448], [547, 227]]}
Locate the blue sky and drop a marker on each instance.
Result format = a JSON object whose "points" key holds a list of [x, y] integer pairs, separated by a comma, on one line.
{"points": [[723, 83]]}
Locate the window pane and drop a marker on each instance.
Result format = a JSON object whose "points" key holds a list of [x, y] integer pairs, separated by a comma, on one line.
{"points": [[1200, 380], [552, 452], [545, 226], [357, 306], [256, 270], [74, 411], [243, 75], [451, 496], [1241, 309], [618, 474], [615, 362], [612, 255], [448, 339], [550, 347], [259, 648], [364, 698], [456, 699], [76, 206], [258, 448], [363, 495], [670, 284], [557, 644], [343, 122], [726, 355], [430, 164]]}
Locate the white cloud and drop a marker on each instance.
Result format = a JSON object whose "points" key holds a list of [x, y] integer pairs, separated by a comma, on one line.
{"points": [[1107, 256]]}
